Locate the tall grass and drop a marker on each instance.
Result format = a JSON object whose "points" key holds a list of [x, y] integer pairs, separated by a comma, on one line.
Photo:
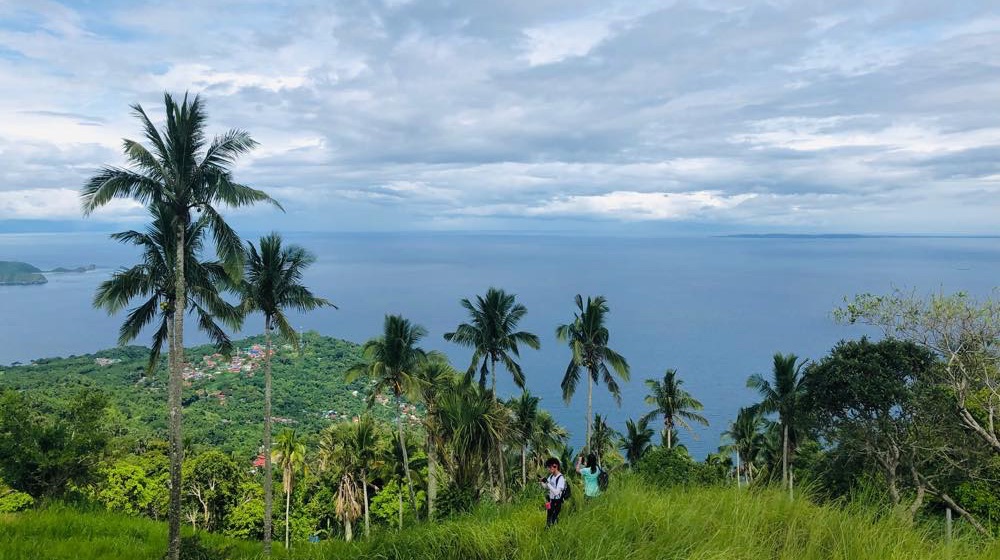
{"points": [[632, 522]]}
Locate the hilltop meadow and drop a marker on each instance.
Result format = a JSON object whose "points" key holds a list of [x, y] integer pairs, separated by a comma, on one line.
{"points": [[302, 446]]}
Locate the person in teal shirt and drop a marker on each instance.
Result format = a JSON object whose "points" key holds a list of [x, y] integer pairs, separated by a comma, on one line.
{"points": [[590, 473]]}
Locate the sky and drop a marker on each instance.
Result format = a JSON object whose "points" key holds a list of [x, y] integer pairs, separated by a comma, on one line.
{"points": [[618, 117]]}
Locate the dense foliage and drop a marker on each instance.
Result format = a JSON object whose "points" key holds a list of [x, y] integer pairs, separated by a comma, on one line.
{"points": [[222, 408]]}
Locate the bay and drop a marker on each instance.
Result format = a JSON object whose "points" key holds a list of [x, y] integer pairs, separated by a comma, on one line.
{"points": [[716, 309]]}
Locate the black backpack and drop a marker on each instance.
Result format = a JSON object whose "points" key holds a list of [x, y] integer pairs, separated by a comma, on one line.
{"points": [[567, 493], [602, 480]]}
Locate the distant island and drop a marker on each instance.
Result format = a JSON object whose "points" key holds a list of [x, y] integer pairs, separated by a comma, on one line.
{"points": [[14, 273], [87, 268]]}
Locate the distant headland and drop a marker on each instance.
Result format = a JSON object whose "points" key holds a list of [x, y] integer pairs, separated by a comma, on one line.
{"points": [[14, 273]]}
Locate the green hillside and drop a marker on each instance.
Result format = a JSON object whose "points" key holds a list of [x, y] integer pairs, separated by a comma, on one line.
{"points": [[633, 521], [223, 397], [19, 273]]}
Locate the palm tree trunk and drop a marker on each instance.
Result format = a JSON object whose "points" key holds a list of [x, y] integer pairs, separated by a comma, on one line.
{"points": [[431, 477], [400, 509], [524, 467], [406, 458], [502, 471], [288, 507], [501, 462], [364, 482], [590, 409], [784, 455], [268, 468], [174, 385], [668, 427], [738, 471], [348, 534]]}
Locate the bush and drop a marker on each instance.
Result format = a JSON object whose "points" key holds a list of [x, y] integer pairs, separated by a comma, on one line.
{"points": [[453, 501], [674, 467], [192, 548], [12, 501]]}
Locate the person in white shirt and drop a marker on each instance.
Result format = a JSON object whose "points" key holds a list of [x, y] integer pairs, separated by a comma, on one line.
{"points": [[555, 485]]}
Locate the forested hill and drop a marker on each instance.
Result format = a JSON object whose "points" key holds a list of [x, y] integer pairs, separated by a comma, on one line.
{"points": [[17, 273], [224, 398]]}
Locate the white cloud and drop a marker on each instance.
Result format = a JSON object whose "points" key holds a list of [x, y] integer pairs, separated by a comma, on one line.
{"points": [[638, 206], [58, 204], [556, 42]]}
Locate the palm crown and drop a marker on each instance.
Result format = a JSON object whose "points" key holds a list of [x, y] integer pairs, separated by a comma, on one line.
{"points": [[182, 171], [273, 283], [152, 281], [676, 405], [493, 336], [588, 338]]}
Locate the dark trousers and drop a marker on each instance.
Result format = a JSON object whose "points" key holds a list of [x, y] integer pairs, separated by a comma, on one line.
{"points": [[552, 514]]}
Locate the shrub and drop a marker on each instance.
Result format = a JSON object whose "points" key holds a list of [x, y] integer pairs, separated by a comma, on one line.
{"points": [[674, 467]]}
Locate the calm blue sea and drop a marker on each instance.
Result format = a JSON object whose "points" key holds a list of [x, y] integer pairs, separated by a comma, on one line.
{"points": [[716, 309]]}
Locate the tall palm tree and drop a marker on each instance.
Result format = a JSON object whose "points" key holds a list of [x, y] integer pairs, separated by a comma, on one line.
{"points": [[676, 405], [183, 172], [290, 454], [746, 439], [525, 412], [272, 284], [783, 395], [587, 337], [152, 282], [493, 336], [637, 440], [392, 360]]}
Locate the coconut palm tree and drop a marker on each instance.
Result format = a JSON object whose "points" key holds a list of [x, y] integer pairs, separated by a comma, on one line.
{"points": [[493, 336], [676, 405], [272, 284], [183, 172], [524, 410], [587, 337], [637, 440], [746, 438], [152, 282], [783, 395], [290, 454], [392, 361]]}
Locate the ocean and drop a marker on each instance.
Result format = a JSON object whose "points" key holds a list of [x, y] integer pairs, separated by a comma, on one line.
{"points": [[713, 308]]}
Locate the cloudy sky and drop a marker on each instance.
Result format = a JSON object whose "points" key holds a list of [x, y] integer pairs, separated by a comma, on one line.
{"points": [[632, 116]]}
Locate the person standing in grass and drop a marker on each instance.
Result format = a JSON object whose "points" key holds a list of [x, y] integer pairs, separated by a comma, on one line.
{"points": [[555, 484], [591, 476]]}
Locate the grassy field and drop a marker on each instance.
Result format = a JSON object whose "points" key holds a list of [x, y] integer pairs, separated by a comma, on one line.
{"points": [[631, 522]]}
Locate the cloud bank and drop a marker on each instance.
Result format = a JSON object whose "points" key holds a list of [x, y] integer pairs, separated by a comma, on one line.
{"points": [[417, 114]]}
